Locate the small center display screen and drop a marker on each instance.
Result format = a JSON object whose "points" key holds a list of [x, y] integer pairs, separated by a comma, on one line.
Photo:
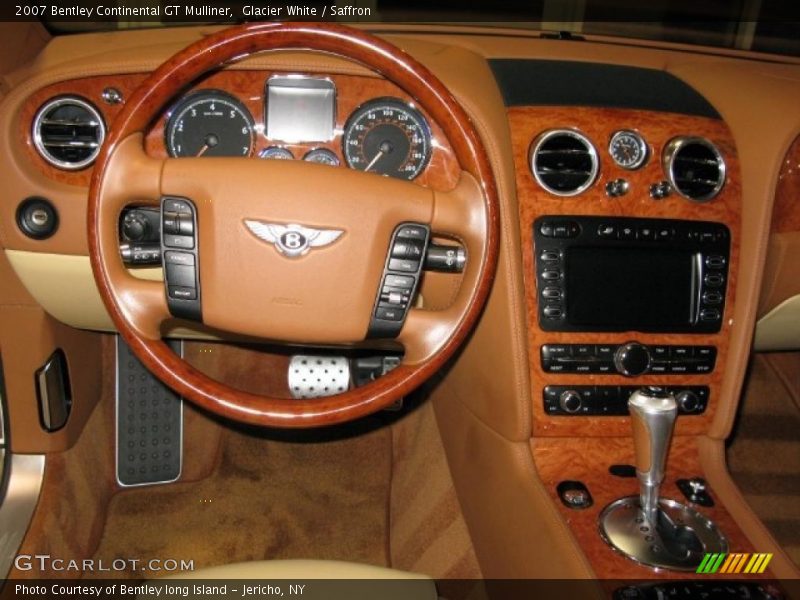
{"points": [[300, 109], [626, 288]]}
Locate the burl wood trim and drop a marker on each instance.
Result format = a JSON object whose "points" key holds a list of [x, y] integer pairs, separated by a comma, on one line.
{"points": [[588, 460], [598, 124], [389, 61], [786, 212], [249, 88]]}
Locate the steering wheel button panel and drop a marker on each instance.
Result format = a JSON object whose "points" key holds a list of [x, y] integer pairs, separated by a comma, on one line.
{"points": [[396, 291], [180, 268]]}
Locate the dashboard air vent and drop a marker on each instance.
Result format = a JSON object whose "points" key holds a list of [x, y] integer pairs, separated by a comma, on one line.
{"points": [[68, 132], [563, 161], [694, 167]]}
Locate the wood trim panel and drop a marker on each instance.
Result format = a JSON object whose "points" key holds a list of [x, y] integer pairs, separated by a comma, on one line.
{"points": [[599, 124], [247, 86], [588, 460], [786, 212]]}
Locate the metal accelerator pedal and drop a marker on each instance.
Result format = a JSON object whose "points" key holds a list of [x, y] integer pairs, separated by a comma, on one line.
{"points": [[316, 376], [149, 423]]}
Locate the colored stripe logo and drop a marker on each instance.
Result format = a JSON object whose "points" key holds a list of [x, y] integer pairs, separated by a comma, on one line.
{"points": [[733, 563]]}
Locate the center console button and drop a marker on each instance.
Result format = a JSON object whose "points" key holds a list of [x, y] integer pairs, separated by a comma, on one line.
{"points": [[551, 293], [185, 242], [403, 265], [632, 359], [712, 298], [553, 312], [660, 353], [550, 255], [570, 401], [583, 351], [714, 279], [551, 274], [606, 352], [607, 230], [709, 314], [627, 232], [399, 281], [681, 352]]}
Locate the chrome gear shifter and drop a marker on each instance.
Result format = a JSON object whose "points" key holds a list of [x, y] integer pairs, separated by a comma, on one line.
{"points": [[653, 413], [649, 529]]}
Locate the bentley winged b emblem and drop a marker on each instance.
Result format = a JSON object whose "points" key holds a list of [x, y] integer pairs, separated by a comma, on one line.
{"points": [[292, 240]]}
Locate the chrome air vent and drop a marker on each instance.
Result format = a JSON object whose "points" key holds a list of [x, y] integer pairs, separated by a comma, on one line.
{"points": [[68, 132], [563, 161], [694, 167]]}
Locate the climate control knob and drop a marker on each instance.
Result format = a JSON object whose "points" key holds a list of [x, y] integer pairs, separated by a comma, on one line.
{"points": [[632, 359], [688, 401], [570, 401]]}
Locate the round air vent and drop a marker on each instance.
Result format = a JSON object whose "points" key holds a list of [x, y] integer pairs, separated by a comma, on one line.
{"points": [[68, 132], [563, 161], [694, 167]]}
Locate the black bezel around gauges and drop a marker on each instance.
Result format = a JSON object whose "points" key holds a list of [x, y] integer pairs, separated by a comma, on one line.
{"points": [[387, 136], [196, 126]]}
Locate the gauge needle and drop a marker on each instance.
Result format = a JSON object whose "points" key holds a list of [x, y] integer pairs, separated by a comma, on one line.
{"points": [[211, 141], [374, 160], [384, 148]]}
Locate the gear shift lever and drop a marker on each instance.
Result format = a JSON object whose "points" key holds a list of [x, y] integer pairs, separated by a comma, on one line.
{"points": [[653, 413], [651, 530]]}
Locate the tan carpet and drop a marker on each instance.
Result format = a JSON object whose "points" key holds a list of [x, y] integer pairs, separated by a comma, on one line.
{"points": [[267, 499], [764, 456]]}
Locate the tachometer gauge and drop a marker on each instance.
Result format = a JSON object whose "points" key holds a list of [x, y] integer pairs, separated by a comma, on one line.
{"points": [[322, 156], [628, 149], [209, 123], [387, 136]]}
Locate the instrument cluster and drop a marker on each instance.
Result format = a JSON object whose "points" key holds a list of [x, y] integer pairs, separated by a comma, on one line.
{"points": [[385, 135]]}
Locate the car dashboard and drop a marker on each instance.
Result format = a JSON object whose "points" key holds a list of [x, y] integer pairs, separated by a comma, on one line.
{"points": [[637, 188]]}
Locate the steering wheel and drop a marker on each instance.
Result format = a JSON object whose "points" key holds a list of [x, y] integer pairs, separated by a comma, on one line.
{"points": [[324, 297]]}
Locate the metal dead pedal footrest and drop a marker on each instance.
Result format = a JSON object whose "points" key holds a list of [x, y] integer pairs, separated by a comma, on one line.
{"points": [[149, 423]]}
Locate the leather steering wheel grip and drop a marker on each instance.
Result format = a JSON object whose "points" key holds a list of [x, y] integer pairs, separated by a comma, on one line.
{"points": [[124, 173]]}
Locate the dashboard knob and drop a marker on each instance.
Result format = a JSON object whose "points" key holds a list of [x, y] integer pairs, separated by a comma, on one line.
{"points": [[135, 227], [632, 359], [688, 401], [570, 401]]}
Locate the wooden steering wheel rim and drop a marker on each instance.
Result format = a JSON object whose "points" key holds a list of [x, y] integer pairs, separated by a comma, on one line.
{"points": [[396, 66]]}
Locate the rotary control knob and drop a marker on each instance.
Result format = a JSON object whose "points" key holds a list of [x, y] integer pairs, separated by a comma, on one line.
{"points": [[570, 401], [632, 359], [135, 227], [688, 401]]}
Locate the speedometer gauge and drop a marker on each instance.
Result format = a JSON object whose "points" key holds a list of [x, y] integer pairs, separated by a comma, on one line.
{"points": [[628, 149], [209, 123], [389, 137]]}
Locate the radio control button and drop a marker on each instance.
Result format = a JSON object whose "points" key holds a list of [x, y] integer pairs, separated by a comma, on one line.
{"points": [[659, 367], [553, 312], [665, 234], [707, 236], [550, 255], [627, 232], [606, 352], [709, 314], [551, 274], [714, 279], [632, 359], [555, 351], [645, 233], [705, 351], [679, 352], [660, 352], [551, 293], [583, 351], [607, 230], [712, 298]]}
